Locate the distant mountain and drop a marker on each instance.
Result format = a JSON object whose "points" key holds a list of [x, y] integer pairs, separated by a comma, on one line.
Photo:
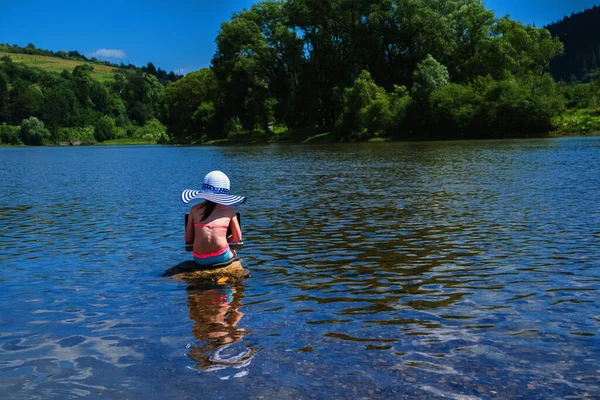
{"points": [[580, 34]]}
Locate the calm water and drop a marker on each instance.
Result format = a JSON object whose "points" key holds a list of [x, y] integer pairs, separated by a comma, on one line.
{"points": [[456, 270]]}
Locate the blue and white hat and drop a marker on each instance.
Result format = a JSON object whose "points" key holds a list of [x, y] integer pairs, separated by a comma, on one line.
{"points": [[216, 189]]}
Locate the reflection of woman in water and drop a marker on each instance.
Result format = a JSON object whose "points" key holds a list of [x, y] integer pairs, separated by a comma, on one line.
{"points": [[215, 312]]}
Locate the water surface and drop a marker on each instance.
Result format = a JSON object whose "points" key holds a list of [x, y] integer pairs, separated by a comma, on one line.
{"points": [[456, 270]]}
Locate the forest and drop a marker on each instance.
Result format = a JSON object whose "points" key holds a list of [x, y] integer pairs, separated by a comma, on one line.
{"points": [[352, 69], [580, 34]]}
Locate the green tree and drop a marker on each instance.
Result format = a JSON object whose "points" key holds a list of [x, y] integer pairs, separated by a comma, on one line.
{"points": [[357, 101], [27, 99], [142, 94], [60, 106], [10, 135], [105, 129], [190, 106], [4, 98], [428, 76], [456, 108], [241, 65], [33, 132], [514, 50], [368, 110]]}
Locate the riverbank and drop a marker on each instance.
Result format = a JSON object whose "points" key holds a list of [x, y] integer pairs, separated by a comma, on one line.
{"points": [[578, 123], [330, 137]]}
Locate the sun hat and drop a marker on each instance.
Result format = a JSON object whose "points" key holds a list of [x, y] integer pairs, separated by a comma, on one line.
{"points": [[215, 188]]}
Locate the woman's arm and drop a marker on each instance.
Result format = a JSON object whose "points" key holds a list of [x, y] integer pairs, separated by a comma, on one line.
{"points": [[236, 231], [189, 228]]}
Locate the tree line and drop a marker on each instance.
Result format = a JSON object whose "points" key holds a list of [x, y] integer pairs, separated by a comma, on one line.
{"points": [[39, 107], [74, 55], [409, 69]]}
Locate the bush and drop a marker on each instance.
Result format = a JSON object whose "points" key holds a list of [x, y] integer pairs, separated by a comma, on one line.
{"points": [[455, 108], [9, 134], [84, 134], [33, 132], [585, 95], [522, 105], [368, 110], [105, 129], [578, 121], [152, 131], [487, 107]]}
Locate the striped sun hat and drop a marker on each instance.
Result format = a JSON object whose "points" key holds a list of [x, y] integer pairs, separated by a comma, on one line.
{"points": [[216, 189]]}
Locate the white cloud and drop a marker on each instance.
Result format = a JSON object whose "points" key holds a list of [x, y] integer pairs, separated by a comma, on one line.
{"points": [[108, 53]]}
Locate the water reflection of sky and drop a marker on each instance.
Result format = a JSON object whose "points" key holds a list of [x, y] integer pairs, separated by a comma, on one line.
{"points": [[430, 270]]}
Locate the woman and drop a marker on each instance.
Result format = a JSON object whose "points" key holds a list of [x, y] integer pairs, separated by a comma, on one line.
{"points": [[208, 221]]}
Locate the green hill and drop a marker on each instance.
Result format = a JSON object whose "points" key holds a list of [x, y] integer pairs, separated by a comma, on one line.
{"points": [[101, 73]]}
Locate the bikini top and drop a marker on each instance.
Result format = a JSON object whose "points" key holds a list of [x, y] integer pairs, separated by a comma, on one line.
{"points": [[212, 226]]}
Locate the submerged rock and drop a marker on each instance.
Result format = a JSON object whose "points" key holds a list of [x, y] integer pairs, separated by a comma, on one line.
{"points": [[232, 271]]}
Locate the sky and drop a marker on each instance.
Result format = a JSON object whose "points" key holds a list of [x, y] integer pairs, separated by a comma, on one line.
{"points": [[178, 36]]}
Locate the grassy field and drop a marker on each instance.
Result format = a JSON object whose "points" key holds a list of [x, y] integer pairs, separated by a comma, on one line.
{"points": [[101, 73]]}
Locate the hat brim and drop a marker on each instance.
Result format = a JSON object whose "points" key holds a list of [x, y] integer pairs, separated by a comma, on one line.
{"points": [[224, 199]]}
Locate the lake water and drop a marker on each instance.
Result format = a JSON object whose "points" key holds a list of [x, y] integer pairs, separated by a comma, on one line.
{"points": [[458, 270]]}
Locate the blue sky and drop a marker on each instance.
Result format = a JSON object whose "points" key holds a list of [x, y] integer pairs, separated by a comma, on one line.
{"points": [[175, 36]]}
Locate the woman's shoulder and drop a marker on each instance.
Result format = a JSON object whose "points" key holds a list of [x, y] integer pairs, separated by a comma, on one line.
{"points": [[197, 206], [227, 210]]}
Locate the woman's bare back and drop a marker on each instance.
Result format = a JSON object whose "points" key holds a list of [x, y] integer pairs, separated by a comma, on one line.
{"points": [[210, 235]]}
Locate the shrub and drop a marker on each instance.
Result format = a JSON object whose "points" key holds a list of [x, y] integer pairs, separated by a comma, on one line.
{"points": [[9, 134], [83, 134], [578, 121], [152, 131], [33, 132], [454, 108]]}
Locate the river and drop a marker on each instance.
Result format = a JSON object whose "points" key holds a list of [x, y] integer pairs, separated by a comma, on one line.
{"points": [[462, 270]]}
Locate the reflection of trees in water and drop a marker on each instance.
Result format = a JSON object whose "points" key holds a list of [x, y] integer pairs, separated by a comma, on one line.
{"points": [[216, 313], [420, 266]]}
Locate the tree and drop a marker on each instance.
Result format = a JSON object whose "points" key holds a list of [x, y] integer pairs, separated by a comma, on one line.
{"points": [[190, 106], [33, 132], [4, 98], [60, 106], [27, 100], [141, 93], [514, 49], [10, 135], [241, 66], [428, 76], [455, 110], [369, 110], [105, 129]]}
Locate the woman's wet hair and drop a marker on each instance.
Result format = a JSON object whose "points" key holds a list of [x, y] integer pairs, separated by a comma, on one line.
{"points": [[209, 207]]}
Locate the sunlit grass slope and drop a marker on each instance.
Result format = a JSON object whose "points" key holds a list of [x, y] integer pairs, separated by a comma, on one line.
{"points": [[54, 64]]}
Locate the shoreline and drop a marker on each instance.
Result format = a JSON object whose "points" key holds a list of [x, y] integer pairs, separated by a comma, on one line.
{"points": [[291, 137]]}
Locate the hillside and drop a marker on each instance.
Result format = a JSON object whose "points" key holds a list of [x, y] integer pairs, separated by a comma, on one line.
{"points": [[61, 60], [580, 34], [101, 73]]}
